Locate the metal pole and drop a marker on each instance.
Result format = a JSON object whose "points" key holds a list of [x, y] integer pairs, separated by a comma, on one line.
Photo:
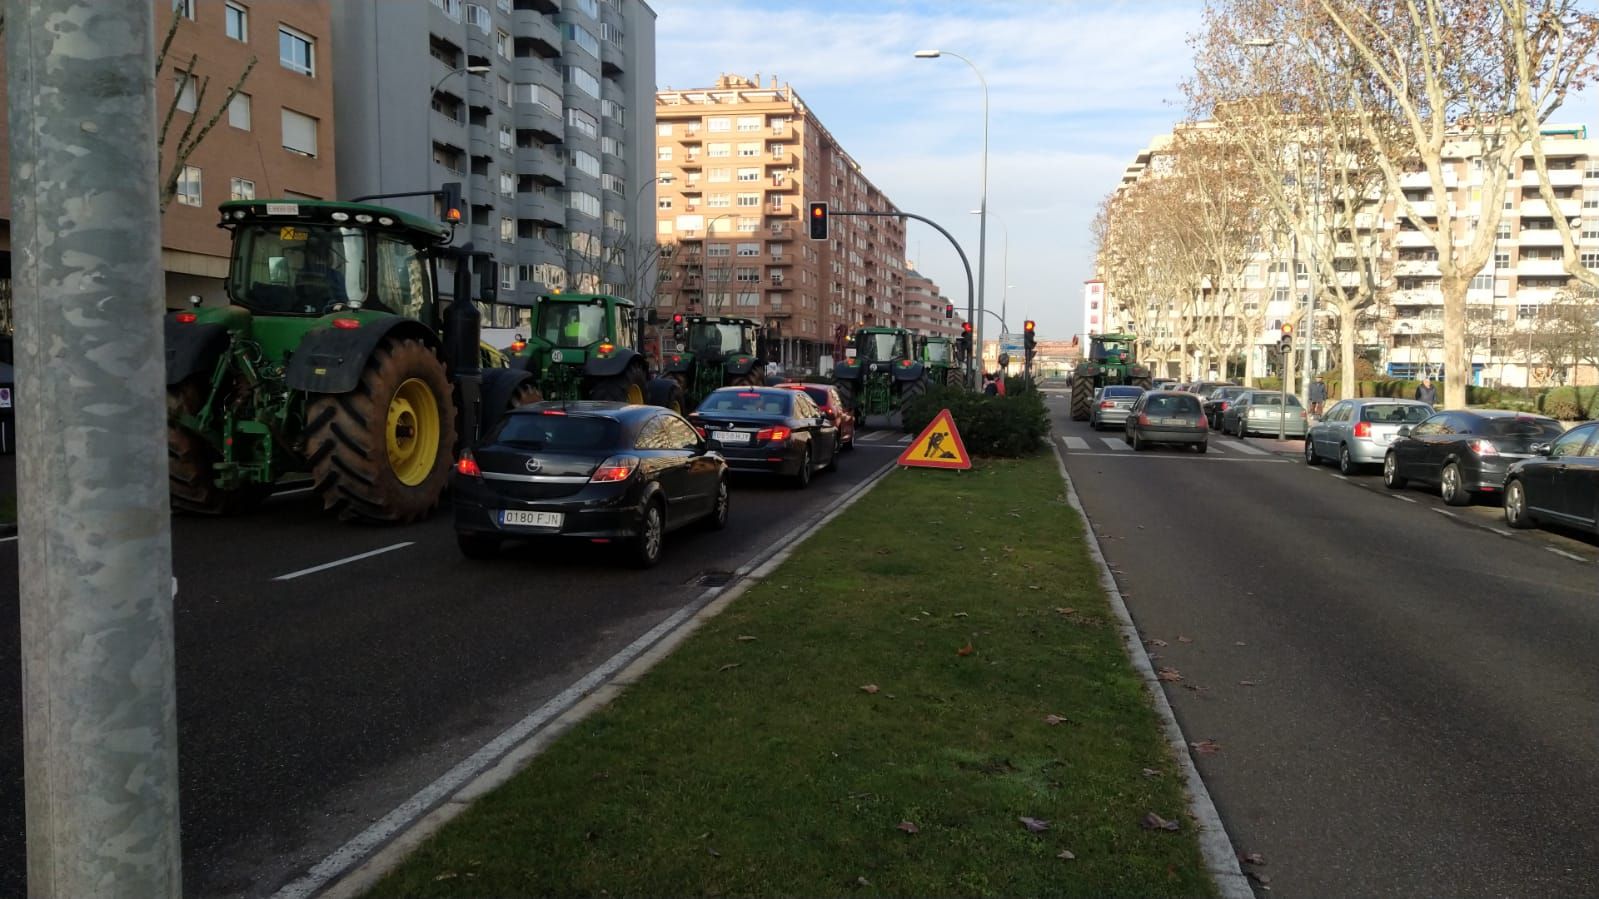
{"points": [[705, 260], [1310, 305], [982, 211], [95, 554], [1288, 357]]}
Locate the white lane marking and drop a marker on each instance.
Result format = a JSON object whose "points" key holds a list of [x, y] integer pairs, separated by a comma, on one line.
{"points": [[1405, 499], [1500, 531], [1338, 476], [878, 436], [1242, 448], [1076, 443], [8, 539], [905, 439], [1115, 443], [345, 561], [1179, 456], [1561, 552], [1446, 512]]}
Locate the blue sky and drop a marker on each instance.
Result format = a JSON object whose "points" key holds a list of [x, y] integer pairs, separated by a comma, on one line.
{"points": [[1075, 90]]}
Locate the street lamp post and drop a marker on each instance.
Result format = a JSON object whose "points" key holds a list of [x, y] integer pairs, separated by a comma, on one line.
{"points": [[1004, 275], [432, 92], [705, 260], [982, 225]]}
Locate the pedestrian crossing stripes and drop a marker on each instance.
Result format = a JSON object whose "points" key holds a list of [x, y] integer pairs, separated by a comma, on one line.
{"points": [[884, 437], [1116, 444]]}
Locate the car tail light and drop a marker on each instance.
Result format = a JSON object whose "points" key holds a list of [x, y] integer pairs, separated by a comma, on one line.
{"points": [[552, 412], [1223, 406], [776, 435], [468, 466], [1106, 404], [346, 324], [186, 318], [1143, 419], [1483, 448], [1363, 429], [614, 469]]}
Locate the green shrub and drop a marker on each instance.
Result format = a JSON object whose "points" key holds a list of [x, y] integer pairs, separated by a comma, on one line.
{"points": [[1011, 426], [1569, 403], [1268, 383]]}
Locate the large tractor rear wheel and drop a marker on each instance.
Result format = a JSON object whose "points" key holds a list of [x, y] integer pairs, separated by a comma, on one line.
{"points": [[1082, 398], [910, 390], [956, 377], [846, 398], [668, 393], [627, 387], [1142, 383], [382, 451], [191, 477]]}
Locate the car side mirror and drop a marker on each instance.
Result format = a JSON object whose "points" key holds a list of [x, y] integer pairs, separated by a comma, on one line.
{"points": [[1404, 431], [1541, 449]]}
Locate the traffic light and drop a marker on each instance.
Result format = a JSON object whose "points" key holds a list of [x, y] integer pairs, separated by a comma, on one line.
{"points": [[818, 221], [450, 202], [1286, 344], [677, 325], [949, 310], [965, 340], [1029, 339]]}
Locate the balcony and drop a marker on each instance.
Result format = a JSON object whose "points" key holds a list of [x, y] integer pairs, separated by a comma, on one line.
{"points": [[1557, 177], [1568, 208], [1535, 268], [1414, 267], [783, 209], [1412, 239], [537, 34], [1427, 209], [544, 125], [1539, 237], [1422, 179], [543, 166]]}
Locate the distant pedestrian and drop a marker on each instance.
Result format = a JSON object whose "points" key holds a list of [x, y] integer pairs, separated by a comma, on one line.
{"points": [[1427, 393], [989, 387], [1318, 395], [774, 372]]}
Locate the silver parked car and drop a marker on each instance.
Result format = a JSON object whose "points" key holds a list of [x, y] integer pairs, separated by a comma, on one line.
{"points": [[1262, 412], [1113, 405], [1356, 433]]}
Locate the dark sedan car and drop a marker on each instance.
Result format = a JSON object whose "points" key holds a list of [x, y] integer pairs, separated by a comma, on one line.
{"points": [[1217, 401], [769, 430], [601, 471], [826, 398], [1168, 416], [1464, 452], [1559, 484]]}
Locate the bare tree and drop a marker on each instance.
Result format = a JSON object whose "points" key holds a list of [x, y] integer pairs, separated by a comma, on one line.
{"points": [[193, 133], [1565, 335]]}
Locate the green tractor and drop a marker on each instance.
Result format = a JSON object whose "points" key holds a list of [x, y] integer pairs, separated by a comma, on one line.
{"points": [[943, 360], [584, 346], [713, 351], [879, 374], [1111, 360], [333, 359]]}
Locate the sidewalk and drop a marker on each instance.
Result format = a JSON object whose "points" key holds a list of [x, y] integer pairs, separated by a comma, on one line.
{"points": [[930, 697]]}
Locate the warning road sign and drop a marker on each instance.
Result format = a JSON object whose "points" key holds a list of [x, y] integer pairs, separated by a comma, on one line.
{"points": [[938, 446]]}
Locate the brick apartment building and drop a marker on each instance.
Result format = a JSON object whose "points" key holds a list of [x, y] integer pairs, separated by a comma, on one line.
{"points": [[924, 307], [275, 139], [737, 163]]}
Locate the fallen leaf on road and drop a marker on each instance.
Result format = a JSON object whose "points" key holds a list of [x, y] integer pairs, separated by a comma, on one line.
{"points": [[1185, 639], [1034, 587], [1261, 878], [713, 852], [861, 881], [1053, 720], [1065, 853], [1195, 687], [745, 638], [1153, 821], [960, 615], [869, 688], [908, 827], [1251, 858], [1206, 747], [1014, 514], [1035, 825], [1151, 772], [728, 667], [1156, 643], [1246, 683], [1065, 610], [966, 650], [447, 875], [1170, 675]]}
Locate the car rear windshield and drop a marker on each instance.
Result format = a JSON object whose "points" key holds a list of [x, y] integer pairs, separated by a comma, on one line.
{"points": [[1173, 405], [1523, 427], [819, 394], [746, 401], [558, 433], [1273, 399], [1123, 391], [1394, 413]]}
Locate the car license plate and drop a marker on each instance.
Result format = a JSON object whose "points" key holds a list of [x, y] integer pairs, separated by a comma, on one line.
{"points": [[531, 519], [731, 436]]}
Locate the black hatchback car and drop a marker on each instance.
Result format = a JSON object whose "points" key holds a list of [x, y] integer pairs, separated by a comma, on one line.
{"points": [[1559, 484], [770, 430], [1168, 416], [601, 471], [1464, 452]]}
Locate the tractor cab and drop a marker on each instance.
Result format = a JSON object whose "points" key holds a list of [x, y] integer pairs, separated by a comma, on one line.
{"points": [[938, 351], [881, 345], [1111, 349], [717, 337]]}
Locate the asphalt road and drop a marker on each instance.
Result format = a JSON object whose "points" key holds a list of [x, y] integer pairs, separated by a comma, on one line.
{"points": [[1423, 691], [310, 707]]}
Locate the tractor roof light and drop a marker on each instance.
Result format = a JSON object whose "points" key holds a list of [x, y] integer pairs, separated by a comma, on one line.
{"points": [[186, 318], [340, 216], [605, 348], [363, 218], [347, 324]]}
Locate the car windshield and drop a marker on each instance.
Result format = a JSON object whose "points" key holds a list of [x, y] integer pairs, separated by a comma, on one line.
{"points": [[295, 269], [881, 347], [1523, 427], [1394, 413], [714, 337], [557, 433], [936, 352], [746, 401], [1172, 405], [1123, 391], [570, 324], [819, 394]]}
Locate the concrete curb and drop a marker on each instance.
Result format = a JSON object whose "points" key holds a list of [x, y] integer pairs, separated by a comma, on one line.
{"points": [[1221, 860], [345, 874]]}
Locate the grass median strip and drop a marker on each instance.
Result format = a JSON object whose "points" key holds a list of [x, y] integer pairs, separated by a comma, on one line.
{"points": [[927, 698]]}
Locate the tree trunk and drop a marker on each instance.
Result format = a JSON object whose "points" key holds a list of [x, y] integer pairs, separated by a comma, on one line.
{"points": [[1251, 368], [1456, 366], [1346, 354]]}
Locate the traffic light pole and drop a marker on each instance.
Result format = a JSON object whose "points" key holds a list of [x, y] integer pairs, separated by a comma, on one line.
{"points": [[971, 311]]}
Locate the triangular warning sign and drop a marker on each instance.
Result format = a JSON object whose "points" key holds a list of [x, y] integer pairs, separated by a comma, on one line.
{"points": [[938, 446]]}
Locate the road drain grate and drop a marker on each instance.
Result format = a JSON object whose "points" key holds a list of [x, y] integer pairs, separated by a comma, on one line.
{"points": [[711, 579]]}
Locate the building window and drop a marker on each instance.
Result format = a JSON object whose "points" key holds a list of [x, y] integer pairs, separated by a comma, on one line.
{"points": [[663, 153], [507, 137], [585, 82], [749, 249], [719, 201], [239, 111], [1501, 260], [749, 199], [749, 123], [189, 186], [663, 203], [507, 184], [719, 123], [1484, 281], [749, 174], [749, 150], [584, 38], [299, 133], [583, 122], [720, 151], [507, 229], [1503, 233], [184, 8], [1590, 261], [238, 21], [502, 43], [748, 224], [1527, 311], [184, 90], [296, 51], [241, 189]]}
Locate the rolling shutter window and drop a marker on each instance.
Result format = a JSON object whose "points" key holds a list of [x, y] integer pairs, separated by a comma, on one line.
{"points": [[299, 133]]}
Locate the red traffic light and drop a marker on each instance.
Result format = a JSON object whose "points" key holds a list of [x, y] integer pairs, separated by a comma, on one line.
{"points": [[1028, 326], [677, 318], [966, 327]]}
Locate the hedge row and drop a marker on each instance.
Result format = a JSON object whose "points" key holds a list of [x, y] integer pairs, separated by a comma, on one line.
{"points": [[1011, 426]]}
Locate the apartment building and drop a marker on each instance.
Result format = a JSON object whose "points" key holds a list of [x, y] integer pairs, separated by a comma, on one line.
{"points": [[274, 139], [1402, 332], [541, 109], [737, 163], [924, 307]]}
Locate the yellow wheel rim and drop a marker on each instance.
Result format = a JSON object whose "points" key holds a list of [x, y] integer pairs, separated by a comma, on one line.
{"points": [[412, 435], [635, 394]]}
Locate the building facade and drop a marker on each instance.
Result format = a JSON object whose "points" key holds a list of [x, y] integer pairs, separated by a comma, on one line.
{"points": [[924, 307], [541, 109], [276, 138], [737, 164]]}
